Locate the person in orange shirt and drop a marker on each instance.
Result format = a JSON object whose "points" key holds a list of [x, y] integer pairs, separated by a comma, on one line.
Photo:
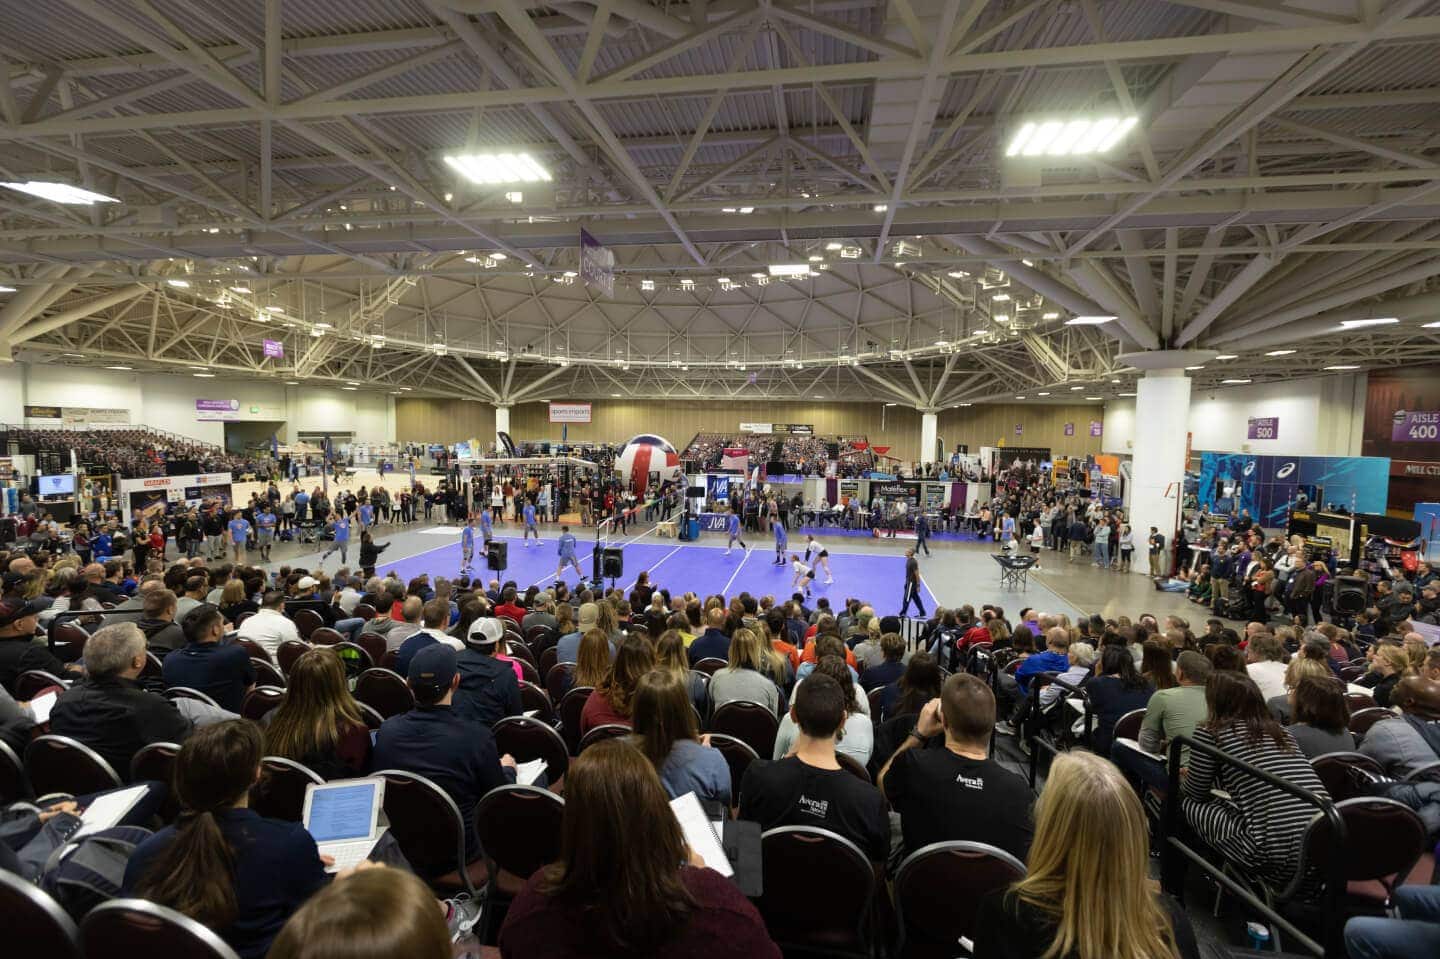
{"points": [[775, 632], [828, 628]]}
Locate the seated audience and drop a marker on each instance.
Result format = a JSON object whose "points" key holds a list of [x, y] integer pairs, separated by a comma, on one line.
{"points": [[626, 884], [1413, 933], [613, 698], [1411, 740], [713, 643], [1265, 663], [221, 864], [857, 736], [808, 787], [667, 733], [160, 624], [1172, 712], [750, 673], [269, 627], [19, 652], [1321, 719], [488, 690], [1118, 689], [567, 649], [947, 787], [670, 656], [318, 723], [1087, 893], [890, 669], [224, 673], [901, 704]]}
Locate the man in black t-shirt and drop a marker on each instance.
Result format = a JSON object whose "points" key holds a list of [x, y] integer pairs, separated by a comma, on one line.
{"points": [[808, 787], [1157, 553], [954, 791]]}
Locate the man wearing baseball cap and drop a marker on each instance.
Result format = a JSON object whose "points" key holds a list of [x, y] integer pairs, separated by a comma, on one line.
{"points": [[18, 650], [489, 690], [433, 740]]}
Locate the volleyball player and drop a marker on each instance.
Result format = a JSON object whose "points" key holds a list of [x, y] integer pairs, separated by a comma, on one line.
{"points": [[530, 527], [487, 529], [467, 543], [732, 525], [804, 575], [567, 555], [819, 555], [782, 541]]}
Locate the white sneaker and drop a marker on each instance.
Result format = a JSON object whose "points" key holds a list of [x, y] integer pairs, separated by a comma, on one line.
{"points": [[727, 552], [829, 582]]}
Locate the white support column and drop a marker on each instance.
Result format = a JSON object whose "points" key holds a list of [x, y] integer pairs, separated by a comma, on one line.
{"points": [[502, 421], [929, 427], [1158, 471]]}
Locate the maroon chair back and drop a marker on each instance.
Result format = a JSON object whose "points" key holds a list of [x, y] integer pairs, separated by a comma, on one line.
{"points": [[372, 643], [938, 891], [519, 829], [36, 920], [365, 611], [260, 701], [384, 691], [289, 651], [325, 636], [528, 671], [280, 793], [1128, 725], [59, 764], [156, 762], [426, 823], [137, 927], [838, 883], [529, 739], [69, 641], [307, 621], [558, 680], [1351, 673], [267, 673], [255, 650], [752, 722], [876, 697], [1347, 774], [541, 638], [391, 660], [532, 697], [239, 620], [738, 756], [572, 704], [548, 659], [709, 665], [1383, 841], [598, 734], [32, 682], [1359, 701], [1361, 722]]}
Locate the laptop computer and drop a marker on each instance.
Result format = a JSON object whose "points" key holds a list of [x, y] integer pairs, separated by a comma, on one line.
{"points": [[344, 818]]}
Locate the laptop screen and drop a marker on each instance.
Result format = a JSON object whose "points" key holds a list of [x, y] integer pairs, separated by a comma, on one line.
{"points": [[342, 812]]}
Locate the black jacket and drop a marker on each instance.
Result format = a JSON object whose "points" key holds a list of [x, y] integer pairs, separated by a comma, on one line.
{"points": [[162, 635], [116, 718], [369, 552], [24, 654]]}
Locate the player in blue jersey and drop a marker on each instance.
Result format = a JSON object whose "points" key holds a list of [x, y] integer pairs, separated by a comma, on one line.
{"points": [[367, 516], [265, 522], [530, 527], [467, 543], [238, 530], [782, 541], [487, 529], [732, 526], [342, 539], [567, 555]]}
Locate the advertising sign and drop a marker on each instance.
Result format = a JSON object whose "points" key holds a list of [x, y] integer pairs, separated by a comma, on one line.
{"points": [[273, 348], [1416, 426], [1069, 429], [1096, 428], [755, 427], [569, 412], [209, 411], [42, 412], [1262, 428], [597, 265], [1019, 429], [717, 488]]}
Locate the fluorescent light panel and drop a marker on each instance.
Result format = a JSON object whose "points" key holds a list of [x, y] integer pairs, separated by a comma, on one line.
{"points": [[488, 168], [1079, 137], [60, 192], [1373, 321], [1088, 320], [789, 269]]}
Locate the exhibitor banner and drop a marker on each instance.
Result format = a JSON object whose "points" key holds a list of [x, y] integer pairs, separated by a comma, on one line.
{"points": [[569, 412]]}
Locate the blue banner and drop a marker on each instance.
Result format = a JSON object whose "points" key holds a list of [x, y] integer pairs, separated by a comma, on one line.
{"points": [[1267, 486], [714, 522], [717, 487]]}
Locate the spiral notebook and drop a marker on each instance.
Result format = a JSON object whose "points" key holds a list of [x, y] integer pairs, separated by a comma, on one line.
{"points": [[700, 833]]}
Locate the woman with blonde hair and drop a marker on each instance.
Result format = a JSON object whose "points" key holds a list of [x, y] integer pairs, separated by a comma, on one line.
{"points": [[592, 662], [1088, 893], [607, 622], [318, 723], [670, 656], [749, 674], [374, 914], [612, 700], [1389, 665]]}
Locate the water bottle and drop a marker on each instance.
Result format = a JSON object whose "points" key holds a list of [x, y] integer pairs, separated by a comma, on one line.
{"points": [[1259, 935]]}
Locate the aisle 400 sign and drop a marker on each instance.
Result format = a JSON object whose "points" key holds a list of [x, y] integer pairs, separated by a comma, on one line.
{"points": [[1416, 426]]}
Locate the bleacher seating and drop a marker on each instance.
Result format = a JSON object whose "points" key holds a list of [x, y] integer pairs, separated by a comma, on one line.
{"points": [[129, 452]]}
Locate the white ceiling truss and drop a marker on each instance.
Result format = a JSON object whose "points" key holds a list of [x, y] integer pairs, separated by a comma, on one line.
{"points": [[279, 166]]}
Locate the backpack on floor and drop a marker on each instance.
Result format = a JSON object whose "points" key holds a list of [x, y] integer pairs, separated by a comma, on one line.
{"points": [[83, 874]]}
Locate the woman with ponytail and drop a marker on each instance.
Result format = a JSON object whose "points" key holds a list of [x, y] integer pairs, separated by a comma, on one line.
{"points": [[222, 864]]}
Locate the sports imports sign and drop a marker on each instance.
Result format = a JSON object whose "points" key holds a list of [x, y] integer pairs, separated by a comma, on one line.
{"points": [[1262, 428], [569, 412], [1416, 426]]}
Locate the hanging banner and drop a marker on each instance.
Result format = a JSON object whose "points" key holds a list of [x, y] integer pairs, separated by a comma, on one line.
{"points": [[737, 459], [1096, 428], [755, 427], [209, 411], [273, 348], [569, 412], [1019, 429], [1069, 429], [1416, 426], [597, 264], [1262, 428]]}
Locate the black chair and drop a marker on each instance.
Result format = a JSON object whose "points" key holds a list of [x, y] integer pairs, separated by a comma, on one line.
{"points": [[1428, 773], [739, 756], [558, 680], [519, 649], [838, 881], [59, 764], [519, 829], [354, 658], [1346, 774], [325, 636], [876, 698], [384, 691], [157, 762], [528, 672], [137, 927], [532, 697], [267, 673], [1128, 725], [548, 658], [572, 704], [13, 785], [426, 823], [603, 732], [154, 668], [541, 638], [1361, 722], [372, 717], [937, 894], [185, 692], [752, 722], [529, 739], [68, 641], [240, 620], [709, 665], [33, 682], [289, 651], [280, 793], [260, 701], [307, 621], [255, 650], [35, 921]]}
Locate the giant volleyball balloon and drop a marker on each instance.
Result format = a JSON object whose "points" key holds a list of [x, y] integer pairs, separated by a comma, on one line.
{"points": [[646, 454]]}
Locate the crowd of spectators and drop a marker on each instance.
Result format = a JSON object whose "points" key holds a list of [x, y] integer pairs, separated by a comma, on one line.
{"points": [[130, 452]]}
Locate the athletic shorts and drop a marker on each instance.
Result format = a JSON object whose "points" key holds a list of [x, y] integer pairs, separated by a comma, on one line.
{"points": [[264, 537]]}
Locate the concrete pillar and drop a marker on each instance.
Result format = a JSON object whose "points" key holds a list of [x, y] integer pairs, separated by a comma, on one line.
{"points": [[502, 421], [929, 423], [1158, 473]]}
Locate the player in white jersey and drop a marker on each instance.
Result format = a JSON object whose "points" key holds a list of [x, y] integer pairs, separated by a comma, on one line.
{"points": [[804, 575], [819, 555]]}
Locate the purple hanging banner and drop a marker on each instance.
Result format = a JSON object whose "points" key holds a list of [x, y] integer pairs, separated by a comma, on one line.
{"points": [[597, 264], [1262, 428], [1096, 429], [1069, 429], [1416, 426], [273, 348], [1019, 429]]}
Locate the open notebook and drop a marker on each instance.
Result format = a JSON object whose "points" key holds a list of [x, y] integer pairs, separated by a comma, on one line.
{"points": [[701, 834]]}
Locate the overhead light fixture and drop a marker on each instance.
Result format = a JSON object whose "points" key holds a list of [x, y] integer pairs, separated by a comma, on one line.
{"points": [[497, 167], [1338, 367], [351, 383], [880, 207], [274, 309], [515, 196], [687, 284], [1234, 382], [322, 325], [406, 389], [967, 404], [292, 382], [1279, 352], [1075, 388], [1081, 137], [958, 275], [1088, 320], [240, 289], [78, 356], [1046, 393], [647, 285], [1124, 394], [1019, 397], [7, 289], [789, 269], [348, 389], [834, 245], [1431, 326], [1194, 368], [59, 192], [119, 367], [1093, 397], [816, 258], [498, 257], [892, 404], [179, 284], [1227, 356], [204, 376], [1001, 318], [1374, 321], [1049, 316], [1001, 297], [571, 273]]}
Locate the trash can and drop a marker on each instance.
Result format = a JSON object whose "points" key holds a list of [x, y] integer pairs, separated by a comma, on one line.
{"points": [[692, 529]]}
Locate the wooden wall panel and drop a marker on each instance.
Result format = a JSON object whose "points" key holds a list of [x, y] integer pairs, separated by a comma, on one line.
{"points": [[448, 421]]}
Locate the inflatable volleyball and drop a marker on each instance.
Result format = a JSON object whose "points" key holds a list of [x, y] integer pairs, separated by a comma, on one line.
{"points": [[646, 454]]}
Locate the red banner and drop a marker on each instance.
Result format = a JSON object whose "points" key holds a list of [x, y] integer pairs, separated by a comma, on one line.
{"points": [[860, 445], [882, 450]]}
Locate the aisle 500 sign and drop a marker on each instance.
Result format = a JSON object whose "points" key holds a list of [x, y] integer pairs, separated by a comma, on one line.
{"points": [[1416, 426], [1262, 428]]}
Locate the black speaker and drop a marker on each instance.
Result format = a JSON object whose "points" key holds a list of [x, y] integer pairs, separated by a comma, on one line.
{"points": [[1351, 594], [612, 562], [497, 556]]}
